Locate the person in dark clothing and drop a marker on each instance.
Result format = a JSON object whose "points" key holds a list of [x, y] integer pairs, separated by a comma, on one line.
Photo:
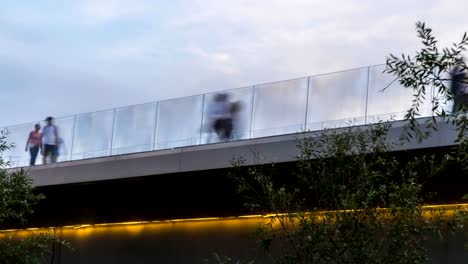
{"points": [[220, 116], [458, 86], [234, 112], [223, 128]]}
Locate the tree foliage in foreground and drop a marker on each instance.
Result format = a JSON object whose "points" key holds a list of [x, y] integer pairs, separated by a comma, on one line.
{"points": [[17, 202], [430, 74], [350, 199]]}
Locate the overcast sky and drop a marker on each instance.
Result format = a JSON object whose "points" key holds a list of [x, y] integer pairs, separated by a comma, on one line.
{"points": [[73, 56]]}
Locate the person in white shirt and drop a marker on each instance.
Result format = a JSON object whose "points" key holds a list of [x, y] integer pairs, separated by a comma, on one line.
{"points": [[50, 139]]}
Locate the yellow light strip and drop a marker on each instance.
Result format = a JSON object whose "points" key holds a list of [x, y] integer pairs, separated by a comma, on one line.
{"points": [[447, 207]]}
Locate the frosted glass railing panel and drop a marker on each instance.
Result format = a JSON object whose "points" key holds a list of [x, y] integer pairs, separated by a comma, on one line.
{"points": [[93, 133], [18, 135], [233, 107], [394, 99], [65, 129], [134, 129], [279, 108], [179, 122], [315, 103], [339, 97]]}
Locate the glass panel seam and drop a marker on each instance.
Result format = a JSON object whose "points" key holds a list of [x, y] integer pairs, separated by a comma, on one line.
{"points": [[156, 126], [307, 104], [367, 95], [112, 132], [202, 118], [73, 138], [155, 118], [251, 111]]}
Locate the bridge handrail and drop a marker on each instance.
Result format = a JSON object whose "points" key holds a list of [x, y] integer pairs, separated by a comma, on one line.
{"points": [[351, 97]]}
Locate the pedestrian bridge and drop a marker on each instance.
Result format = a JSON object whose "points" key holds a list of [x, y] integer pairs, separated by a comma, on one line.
{"points": [[177, 135]]}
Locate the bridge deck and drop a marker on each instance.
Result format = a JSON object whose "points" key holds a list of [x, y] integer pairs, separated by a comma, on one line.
{"points": [[274, 149]]}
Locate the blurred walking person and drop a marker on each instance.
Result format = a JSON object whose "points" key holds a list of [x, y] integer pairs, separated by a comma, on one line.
{"points": [[220, 116], [34, 144], [235, 109], [459, 88], [50, 139]]}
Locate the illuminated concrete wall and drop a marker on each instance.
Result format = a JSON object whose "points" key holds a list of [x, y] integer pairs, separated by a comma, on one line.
{"points": [[187, 241], [171, 242]]}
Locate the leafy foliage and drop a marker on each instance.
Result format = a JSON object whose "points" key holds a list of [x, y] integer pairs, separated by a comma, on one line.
{"points": [[16, 197], [350, 199], [17, 201], [352, 202], [32, 249], [430, 73]]}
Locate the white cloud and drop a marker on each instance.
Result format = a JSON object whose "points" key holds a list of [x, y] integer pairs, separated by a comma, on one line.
{"points": [[220, 62], [107, 11], [188, 47]]}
